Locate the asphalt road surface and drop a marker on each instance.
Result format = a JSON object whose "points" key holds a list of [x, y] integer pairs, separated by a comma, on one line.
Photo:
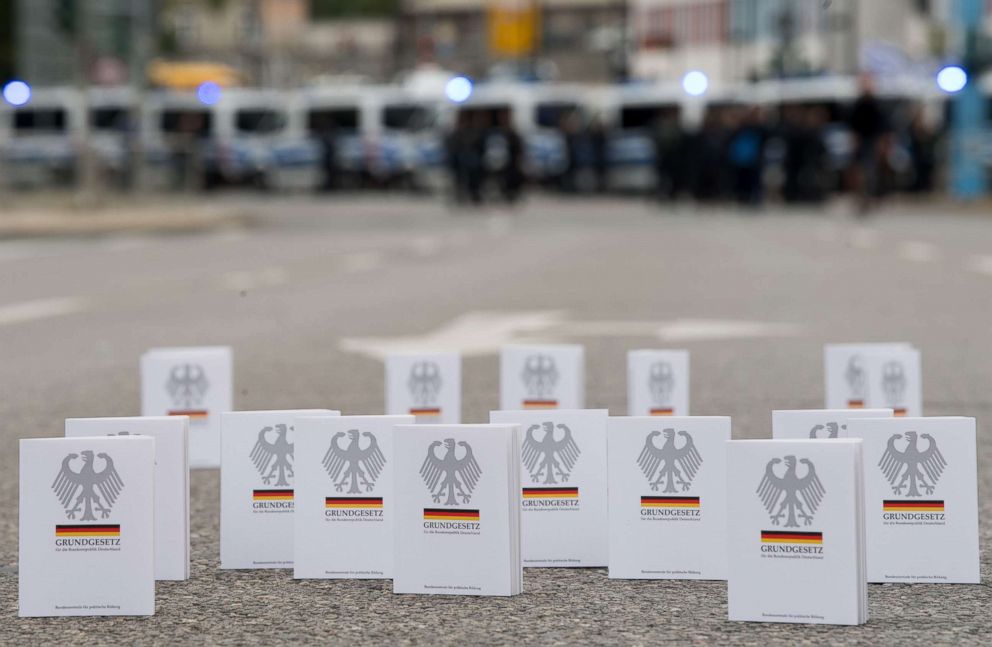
{"points": [[311, 295]]}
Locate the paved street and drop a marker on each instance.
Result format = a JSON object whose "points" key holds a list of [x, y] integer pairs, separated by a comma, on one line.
{"points": [[315, 291]]}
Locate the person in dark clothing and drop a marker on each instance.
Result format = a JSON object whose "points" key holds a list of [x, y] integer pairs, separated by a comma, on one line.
{"points": [[462, 147], [923, 153], [746, 155], [709, 173], [512, 174], [669, 162], [571, 132], [869, 126], [598, 143]]}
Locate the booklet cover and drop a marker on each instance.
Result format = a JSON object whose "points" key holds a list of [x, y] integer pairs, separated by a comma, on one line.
{"points": [[542, 377], [921, 499], [171, 481], [668, 497], [193, 382], [457, 510], [563, 501], [256, 487], [859, 376], [799, 424], [427, 386], [794, 531], [87, 527], [344, 496], [658, 383]]}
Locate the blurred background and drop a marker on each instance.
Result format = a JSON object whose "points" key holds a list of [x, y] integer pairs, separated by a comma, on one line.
{"points": [[731, 101]]}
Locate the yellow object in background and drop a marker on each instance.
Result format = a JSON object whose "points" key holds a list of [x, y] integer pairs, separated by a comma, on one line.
{"points": [[189, 75], [513, 27]]}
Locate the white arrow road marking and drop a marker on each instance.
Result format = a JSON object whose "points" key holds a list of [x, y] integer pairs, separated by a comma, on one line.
{"points": [[484, 333], [712, 329], [474, 333], [39, 309]]}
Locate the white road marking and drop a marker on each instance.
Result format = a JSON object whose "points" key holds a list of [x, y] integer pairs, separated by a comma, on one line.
{"points": [[714, 329], [474, 333], [253, 279], [40, 309], [981, 263], [484, 333], [918, 251]]}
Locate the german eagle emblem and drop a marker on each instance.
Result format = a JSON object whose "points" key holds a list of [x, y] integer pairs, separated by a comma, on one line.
{"points": [[353, 466], [789, 496], [911, 470], [540, 375], [547, 458], [424, 382], [449, 477], [92, 490], [273, 459], [670, 467], [187, 385], [828, 430]]}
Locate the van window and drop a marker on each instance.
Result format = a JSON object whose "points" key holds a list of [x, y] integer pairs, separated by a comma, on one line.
{"points": [[331, 119], [632, 117], [549, 114], [259, 121], [407, 117], [191, 121], [109, 118], [39, 120]]}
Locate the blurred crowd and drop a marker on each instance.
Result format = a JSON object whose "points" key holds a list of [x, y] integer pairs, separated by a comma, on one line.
{"points": [[800, 153]]}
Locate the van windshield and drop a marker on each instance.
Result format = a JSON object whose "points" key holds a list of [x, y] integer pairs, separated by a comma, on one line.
{"points": [[260, 121], [39, 120], [113, 118], [325, 120], [192, 122], [407, 117]]}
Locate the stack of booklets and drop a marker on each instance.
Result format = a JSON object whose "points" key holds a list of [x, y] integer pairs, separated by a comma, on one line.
{"points": [[427, 386], [658, 383], [668, 497], [87, 526], [192, 382], [795, 531], [457, 510], [819, 424], [542, 377], [171, 481], [344, 496], [859, 376], [256, 487], [921, 499], [563, 497]]}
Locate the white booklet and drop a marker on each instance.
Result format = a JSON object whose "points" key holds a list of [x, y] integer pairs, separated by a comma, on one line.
{"points": [[875, 376], [563, 501], [457, 515], [819, 424], [192, 382], [87, 527], [658, 383], [921, 499], [427, 386], [668, 497], [344, 496], [795, 531], [542, 377], [171, 481], [256, 487]]}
